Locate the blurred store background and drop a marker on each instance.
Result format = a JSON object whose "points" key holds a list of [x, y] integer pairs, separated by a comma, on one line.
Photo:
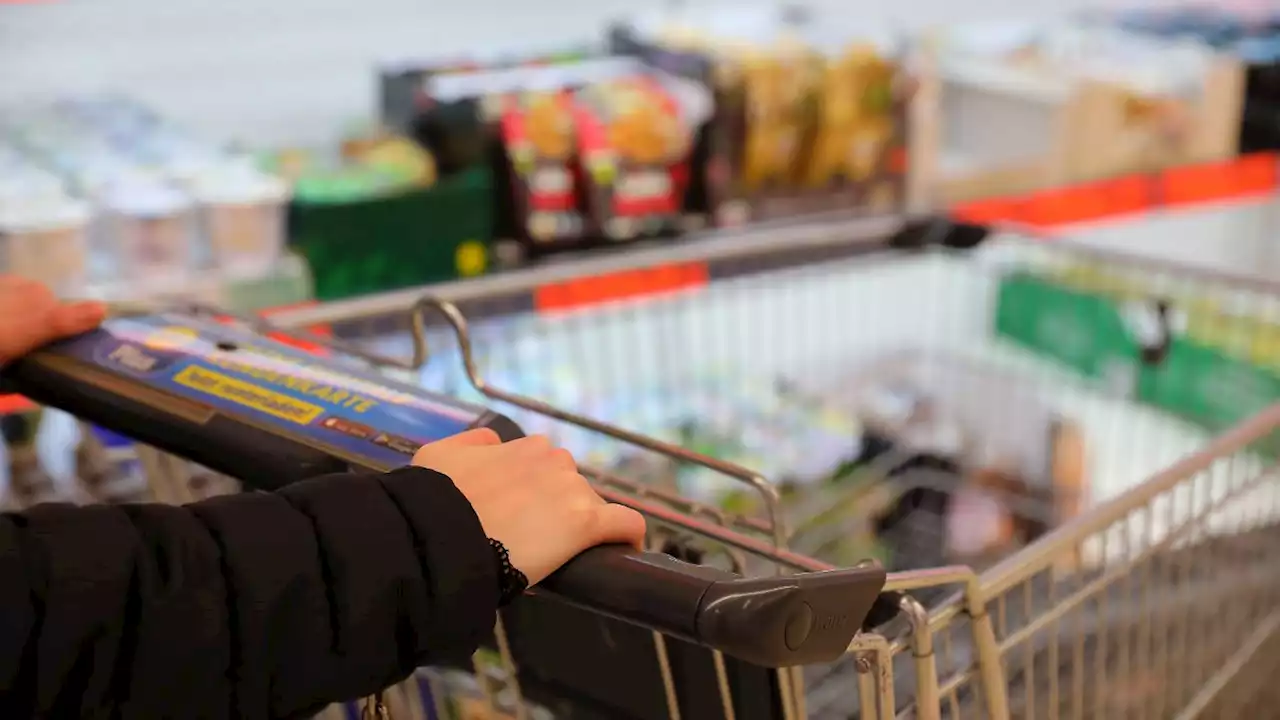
{"points": [[293, 72], [953, 275]]}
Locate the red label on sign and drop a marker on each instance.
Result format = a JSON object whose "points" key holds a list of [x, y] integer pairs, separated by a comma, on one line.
{"points": [[1086, 203], [995, 210], [584, 292], [1239, 178]]}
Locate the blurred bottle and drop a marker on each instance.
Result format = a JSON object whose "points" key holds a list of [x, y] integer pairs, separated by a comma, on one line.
{"points": [[242, 213], [108, 466], [151, 226], [47, 241], [29, 482]]}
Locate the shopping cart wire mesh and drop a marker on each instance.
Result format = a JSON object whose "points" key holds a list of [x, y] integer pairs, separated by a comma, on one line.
{"points": [[1092, 434], [1101, 617]]}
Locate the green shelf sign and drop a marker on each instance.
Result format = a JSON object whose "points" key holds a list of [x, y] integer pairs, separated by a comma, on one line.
{"points": [[1132, 351]]}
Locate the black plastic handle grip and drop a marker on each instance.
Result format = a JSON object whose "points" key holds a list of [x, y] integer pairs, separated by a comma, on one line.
{"points": [[774, 621]]}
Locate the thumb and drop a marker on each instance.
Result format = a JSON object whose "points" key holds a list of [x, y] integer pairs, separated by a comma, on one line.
{"points": [[619, 524], [21, 335], [75, 318]]}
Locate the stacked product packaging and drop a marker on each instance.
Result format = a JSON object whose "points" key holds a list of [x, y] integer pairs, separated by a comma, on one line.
{"points": [[1024, 106], [1251, 34], [103, 193]]}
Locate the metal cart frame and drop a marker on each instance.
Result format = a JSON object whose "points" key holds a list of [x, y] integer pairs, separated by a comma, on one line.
{"points": [[1051, 604]]}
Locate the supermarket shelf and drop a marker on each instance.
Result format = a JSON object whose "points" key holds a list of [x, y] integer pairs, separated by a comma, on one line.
{"points": [[716, 254], [711, 255]]}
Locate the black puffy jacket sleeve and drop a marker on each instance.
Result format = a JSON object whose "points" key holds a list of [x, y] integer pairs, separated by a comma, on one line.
{"points": [[258, 605]]}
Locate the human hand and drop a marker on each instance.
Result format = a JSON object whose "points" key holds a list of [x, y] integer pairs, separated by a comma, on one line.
{"points": [[31, 316], [530, 497]]}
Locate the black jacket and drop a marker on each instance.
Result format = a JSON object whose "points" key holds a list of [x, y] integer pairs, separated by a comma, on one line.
{"points": [[248, 606]]}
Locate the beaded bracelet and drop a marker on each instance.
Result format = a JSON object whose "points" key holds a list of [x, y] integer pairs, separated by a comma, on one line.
{"points": [[511, 582]]}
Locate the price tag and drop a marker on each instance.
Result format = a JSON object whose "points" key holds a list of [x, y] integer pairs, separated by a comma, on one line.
{"points": [[611, 287], [1089, 202], [994, 210], [1234, 179]]}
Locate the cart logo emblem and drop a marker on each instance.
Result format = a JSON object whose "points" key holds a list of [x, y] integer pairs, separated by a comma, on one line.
{"points": [[831, 622], [131, 358]]}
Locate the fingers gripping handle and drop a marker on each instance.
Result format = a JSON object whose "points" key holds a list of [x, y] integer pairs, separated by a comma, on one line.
{"points": [[776, 621]]}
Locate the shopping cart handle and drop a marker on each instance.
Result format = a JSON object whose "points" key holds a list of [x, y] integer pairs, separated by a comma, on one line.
{"points": [[774, 621]]}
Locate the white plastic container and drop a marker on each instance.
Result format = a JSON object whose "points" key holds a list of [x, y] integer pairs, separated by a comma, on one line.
{"points": [[242, 213], [21, 185], [47, 240], [151, 229]]}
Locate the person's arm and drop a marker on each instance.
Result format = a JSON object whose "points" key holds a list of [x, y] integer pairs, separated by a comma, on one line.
{"points": [[273, 605], [253, 605]]}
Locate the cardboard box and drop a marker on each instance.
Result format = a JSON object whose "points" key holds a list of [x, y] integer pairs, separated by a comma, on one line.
{"points": [[1017, 107], [1251, 34]]}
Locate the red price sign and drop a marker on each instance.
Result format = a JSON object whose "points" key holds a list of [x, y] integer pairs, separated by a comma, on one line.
{"points": [[584, 292], [1089, 202], [1233, 179]]}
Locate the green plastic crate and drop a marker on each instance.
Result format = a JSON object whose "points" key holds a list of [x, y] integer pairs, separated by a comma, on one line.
{"points": [[362, 246]]}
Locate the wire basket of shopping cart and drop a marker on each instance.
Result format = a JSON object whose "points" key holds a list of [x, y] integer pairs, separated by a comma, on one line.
{"points": [[1092, 435], [1105, 420]]}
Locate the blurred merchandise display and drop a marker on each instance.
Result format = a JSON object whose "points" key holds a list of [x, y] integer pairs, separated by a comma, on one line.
{"points": [[1252, 36], [101, 189], [588, 149], [400, 80], [1208, 353], [580, 152], [378, 214], [109, 467], [29, 481], [89, 464], [675, 121], [811, 113], [43, 228], [1031, 106]]}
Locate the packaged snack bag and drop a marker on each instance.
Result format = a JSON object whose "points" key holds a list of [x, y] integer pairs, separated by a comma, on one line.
{"points": [[772, 132], [855, 122], [811, 116], [635, 149], [540, 135]]}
